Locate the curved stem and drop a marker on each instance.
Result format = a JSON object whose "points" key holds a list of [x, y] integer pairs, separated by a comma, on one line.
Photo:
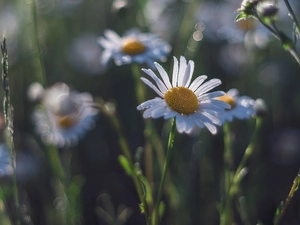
{"points": [[126, 151], [293, 189], [164, 173], [292, 14]]}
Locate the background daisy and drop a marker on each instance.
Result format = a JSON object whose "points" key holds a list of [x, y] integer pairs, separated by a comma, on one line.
{"points": [[133, 47], [65, 116], [242, 107]]}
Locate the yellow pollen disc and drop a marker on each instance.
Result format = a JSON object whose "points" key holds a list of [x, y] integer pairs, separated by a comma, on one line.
{"points": [[182, 100], [66, 121], [227, 99], [132, 46]]}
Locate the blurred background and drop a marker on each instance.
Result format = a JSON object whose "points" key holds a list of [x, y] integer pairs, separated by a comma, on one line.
{"points": [[242, 54]]}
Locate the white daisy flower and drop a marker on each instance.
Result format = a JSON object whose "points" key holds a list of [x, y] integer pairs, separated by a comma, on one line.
{"points": [[187, 101], [133, 47], [65, 116], [242, 107]]}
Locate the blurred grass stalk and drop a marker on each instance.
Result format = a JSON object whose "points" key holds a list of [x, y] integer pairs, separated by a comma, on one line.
{"points": [[8, 115], [127, 159], [232, 179]]}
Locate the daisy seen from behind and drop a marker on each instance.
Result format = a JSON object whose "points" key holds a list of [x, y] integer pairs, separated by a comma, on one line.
{"points": [[64, 116], [133, 47], [242, 107], [189, 102]]}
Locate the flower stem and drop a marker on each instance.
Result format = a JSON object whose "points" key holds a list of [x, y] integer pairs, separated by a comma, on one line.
{"points": [[164, 173], [39, 60], [8, 114], [227, 200], [293, 189], [115, 121], [292, 14], [248, 153]]}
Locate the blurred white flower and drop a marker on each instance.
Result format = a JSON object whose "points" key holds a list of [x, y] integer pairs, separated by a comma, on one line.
{"points": [[133, 47], [6, 168], [187, 101], [242, 107], [65, 115]]}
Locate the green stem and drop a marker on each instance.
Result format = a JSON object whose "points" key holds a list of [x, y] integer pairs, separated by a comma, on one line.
{"points": [[292, 14], [41, 73], [293, 189], [126, 151], [164, 173], [227, 202], [8, 114], [248, 152], [276, 34]]}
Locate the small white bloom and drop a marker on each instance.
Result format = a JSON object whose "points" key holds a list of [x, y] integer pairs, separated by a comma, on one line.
{"points": [[65, 116], [133, 47], [242, 107], [187, 101]]}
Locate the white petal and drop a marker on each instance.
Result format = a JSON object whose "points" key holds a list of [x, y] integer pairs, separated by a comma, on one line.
{"points": [[149, 103], [180, 123], [214, 119], [170, 114], [148, 112], [159, 112], [208, 86], [182, 68], [113, 36], [211, 95], [175, 72], [164, 75], [189, 124], [146, 81], [188, 73], [197, 82], [220, 103], [233, 92], [159, 83]]}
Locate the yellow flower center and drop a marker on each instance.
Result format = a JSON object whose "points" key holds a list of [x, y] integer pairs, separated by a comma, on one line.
{"points": [[132, 46], [66, 121], [228, 99], [182, 100]]}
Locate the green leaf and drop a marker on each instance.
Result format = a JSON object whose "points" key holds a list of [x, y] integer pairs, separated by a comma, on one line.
{"points": [[125, 164], [161, 209], [241, 16], [142, 208], [278, 211]]}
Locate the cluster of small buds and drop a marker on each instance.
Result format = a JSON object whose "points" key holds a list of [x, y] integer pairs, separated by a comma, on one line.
{"points": [[266, 10]]}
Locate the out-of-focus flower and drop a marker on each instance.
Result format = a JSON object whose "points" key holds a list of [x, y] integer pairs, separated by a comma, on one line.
{"points": [[133, 47], [260, 107], [6, 168], [65, 115], [224, 29], [242, 107], [188, 102], [85, 54]]}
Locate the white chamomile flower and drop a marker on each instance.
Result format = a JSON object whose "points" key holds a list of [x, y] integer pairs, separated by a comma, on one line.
{"points": [[133, 47], [187, 101], [242, 107], [65, 116]]}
